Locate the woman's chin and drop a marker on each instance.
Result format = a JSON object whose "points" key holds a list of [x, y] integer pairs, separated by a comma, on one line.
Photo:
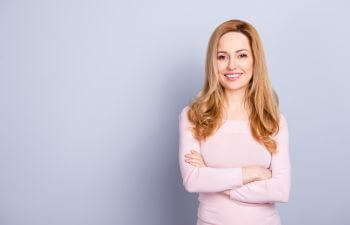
{"points": [[237, 87]]}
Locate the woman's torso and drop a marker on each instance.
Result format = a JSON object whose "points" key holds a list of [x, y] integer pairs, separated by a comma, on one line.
{"points": [[232, 145]]}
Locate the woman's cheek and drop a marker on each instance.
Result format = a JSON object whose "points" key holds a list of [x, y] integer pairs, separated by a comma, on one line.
{"points": [[246, 65]]}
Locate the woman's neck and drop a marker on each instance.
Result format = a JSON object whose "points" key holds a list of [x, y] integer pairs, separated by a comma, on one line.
{"points": [[234, 105]]}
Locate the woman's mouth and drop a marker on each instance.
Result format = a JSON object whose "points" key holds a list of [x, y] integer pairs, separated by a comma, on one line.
{"points": [[233, 76]]}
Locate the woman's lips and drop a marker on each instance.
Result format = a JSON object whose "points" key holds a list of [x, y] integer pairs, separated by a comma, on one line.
{"points": [[233, 76]]}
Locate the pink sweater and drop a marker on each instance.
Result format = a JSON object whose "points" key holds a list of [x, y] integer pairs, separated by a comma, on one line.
{"points": [[225, 153]]}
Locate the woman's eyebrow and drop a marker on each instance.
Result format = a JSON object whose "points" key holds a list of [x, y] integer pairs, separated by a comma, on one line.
{"points": [[243, 49]]}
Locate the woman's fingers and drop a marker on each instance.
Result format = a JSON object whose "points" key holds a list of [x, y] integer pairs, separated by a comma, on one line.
{"points": [[195, 162], [193, 152], [192, 156], [198, 160], [195, 159]]}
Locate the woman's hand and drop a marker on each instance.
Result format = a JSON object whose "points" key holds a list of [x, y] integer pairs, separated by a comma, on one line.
{"points": [[227, 192], [250, 174], [255, 173], [195, 159]]}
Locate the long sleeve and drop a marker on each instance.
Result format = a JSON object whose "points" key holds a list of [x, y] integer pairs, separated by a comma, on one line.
{"points": [[277, 188], [202, 179]]}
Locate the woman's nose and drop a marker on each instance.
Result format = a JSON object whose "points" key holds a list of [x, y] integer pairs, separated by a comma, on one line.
{"points": [[231, 64]]}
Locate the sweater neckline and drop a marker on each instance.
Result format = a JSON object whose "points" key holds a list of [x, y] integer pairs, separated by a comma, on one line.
{"points": [[236, 121]]}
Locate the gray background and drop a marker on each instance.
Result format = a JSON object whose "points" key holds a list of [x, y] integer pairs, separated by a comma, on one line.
{"points": [[90, 92]]}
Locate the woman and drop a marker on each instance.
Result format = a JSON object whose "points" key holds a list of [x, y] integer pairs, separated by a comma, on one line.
{"points": [[233, 140]]}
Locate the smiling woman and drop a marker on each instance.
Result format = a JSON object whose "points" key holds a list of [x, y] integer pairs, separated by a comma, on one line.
{"points": [[235, 61], [233, 140]]}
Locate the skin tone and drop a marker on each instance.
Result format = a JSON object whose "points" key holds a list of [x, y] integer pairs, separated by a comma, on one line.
{"points": [[234, 55]]}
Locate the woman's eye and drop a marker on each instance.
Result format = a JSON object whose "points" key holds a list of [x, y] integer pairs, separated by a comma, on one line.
{"points": [[242, 55], [220, 57]]}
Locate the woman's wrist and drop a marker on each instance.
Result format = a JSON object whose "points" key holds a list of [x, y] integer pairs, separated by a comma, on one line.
{"points": [[249, 174], [255, 173]]}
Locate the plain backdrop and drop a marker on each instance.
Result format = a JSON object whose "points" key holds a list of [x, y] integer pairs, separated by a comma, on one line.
{"points": [[90, 93]]}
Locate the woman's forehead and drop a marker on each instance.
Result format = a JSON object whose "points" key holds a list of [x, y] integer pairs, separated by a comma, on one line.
{"points": [[233, 42]]}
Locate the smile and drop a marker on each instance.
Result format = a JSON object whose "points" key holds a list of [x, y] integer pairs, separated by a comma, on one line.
{"points": [[233, 76]]}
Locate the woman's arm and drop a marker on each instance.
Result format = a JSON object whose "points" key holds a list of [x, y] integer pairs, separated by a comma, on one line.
{"points": [[202, 179], [277, 188], [261, 185], [251, 174]]}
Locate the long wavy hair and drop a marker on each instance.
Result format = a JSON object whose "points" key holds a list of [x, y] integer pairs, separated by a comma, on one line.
{"points": [[206, 109]]}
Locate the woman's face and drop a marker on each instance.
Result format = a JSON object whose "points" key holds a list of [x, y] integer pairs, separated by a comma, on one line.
{"points": [[235, 61]]}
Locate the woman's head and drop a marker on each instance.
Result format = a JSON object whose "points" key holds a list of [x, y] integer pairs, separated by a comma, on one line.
{"points": [[235, 62], [231, 36]]}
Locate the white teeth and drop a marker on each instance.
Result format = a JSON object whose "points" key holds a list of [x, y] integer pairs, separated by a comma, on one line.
{"points": [[233, 75]]}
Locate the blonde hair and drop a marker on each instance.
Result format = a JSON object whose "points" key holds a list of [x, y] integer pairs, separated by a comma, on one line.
{"points": [[206, 109]]}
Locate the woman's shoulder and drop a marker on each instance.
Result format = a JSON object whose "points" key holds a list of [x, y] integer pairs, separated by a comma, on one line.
{"points": [[283, 120], [184, 110], [183, 117]]}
